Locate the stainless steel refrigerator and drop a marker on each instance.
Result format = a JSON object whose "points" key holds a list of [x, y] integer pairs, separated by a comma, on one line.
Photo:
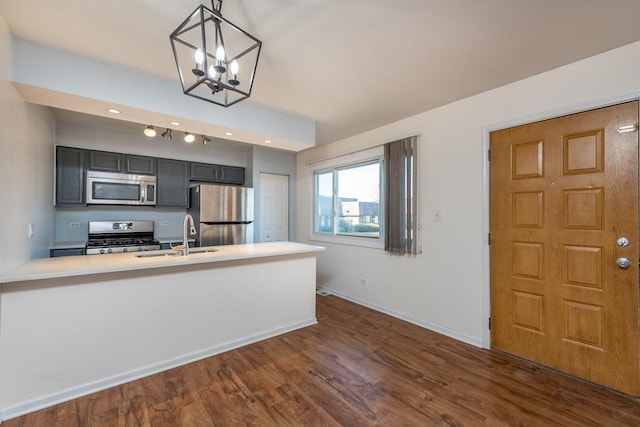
{"points": [[223, 214]]}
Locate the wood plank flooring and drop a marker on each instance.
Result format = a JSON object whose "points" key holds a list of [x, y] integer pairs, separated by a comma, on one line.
{"points": [[356, 367]]}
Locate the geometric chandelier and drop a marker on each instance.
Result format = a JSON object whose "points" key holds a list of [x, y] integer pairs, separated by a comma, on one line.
{"points": [[216, 60]]}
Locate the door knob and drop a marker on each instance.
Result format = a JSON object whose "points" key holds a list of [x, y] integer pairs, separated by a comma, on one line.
{"points": [[623, 263], [623, 242]]}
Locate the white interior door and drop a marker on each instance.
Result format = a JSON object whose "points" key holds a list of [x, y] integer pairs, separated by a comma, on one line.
{"points": [[274, 207]]}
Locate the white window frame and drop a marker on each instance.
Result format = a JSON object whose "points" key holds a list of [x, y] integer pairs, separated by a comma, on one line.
{"points": [[364, 157]]}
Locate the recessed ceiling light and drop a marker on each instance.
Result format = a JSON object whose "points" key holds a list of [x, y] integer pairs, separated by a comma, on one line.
{"points": [[175, 123], [267, 141], [228, 133], [113, 110]]}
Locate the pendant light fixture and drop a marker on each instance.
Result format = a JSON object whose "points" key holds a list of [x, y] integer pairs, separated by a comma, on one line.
{"points": [[216, 60]]}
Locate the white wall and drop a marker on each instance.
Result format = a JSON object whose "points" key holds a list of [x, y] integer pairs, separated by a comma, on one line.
{"points": [[277, 163], [26, 170], [446, 288]]}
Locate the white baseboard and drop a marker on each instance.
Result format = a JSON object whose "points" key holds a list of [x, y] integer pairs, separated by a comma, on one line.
{"points": [[430, 326], [41, 402]]}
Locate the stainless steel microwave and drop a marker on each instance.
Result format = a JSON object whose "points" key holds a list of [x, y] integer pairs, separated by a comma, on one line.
{"points": [[108, 188]]}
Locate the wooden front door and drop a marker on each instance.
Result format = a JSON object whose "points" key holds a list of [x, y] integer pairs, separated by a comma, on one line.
{"points": [[563, 192]]}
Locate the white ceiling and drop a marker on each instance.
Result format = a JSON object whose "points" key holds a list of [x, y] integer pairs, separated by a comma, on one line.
{"points": [[351, 65]]}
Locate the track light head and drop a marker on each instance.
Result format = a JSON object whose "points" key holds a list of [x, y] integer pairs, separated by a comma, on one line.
{"points": [[150, 131]]}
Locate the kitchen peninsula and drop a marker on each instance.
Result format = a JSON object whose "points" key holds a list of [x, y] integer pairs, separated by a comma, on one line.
{"points": [[75, 325]]}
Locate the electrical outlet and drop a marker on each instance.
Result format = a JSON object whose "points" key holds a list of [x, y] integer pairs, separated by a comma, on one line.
{"points": [[437, 215], [363, 281], [165, 222], [73, 224], [30, 231]]}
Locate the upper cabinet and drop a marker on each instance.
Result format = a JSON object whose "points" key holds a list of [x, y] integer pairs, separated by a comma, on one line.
{"points": [[140, 165], [70, 168], [173, 175], [231, 175], [217, 173], [173, 183], [122, 163], [105, 161]]}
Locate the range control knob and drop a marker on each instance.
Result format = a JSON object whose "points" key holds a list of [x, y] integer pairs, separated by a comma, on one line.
{"points": [[109, 250], [101, 251]]}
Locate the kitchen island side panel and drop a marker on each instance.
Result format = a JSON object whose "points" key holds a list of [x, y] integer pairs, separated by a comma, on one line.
{"points": [[61, 338]]}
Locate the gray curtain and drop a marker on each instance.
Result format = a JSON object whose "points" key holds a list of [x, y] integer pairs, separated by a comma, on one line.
{"points": [[401, 211]]}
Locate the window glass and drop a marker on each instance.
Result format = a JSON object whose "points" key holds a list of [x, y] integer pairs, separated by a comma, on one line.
{"points": [[324, 202], [347, 200], [358, 201]]}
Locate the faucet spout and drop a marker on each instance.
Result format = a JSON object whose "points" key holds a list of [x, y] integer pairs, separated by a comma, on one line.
{"points": [[191, 230]]}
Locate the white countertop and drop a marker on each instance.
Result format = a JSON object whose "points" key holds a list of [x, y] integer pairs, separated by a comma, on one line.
{"points": [[49, 268]]}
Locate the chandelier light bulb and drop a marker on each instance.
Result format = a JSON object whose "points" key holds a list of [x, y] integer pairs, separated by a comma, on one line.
{"points": [[220, 53], [212, 73], [234, 71], [199, 57], [189, 137], [150, 131]]}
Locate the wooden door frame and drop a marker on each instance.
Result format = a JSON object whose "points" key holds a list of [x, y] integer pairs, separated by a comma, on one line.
{"points": [[486, 182]]}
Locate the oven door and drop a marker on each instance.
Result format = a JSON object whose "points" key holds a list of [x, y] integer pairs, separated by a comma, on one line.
{"points": [[120, 189]]}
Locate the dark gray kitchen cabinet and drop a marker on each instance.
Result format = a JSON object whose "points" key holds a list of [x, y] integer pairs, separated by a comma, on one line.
{"points": [[231, 175], [53, 253], [173, 183], [70, 168], [140, 165], [105, 161], [217, 173], [204, 172]]}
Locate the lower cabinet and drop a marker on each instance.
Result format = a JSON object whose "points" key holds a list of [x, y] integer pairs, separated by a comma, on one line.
{"points": [[173, 183], [65, 252]]}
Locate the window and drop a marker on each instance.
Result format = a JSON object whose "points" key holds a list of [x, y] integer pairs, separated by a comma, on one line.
{"points": [[347, 200]]}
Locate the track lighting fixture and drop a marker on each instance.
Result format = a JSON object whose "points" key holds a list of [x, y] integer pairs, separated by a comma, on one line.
{"points": [[189, 137], [150, 131], [167, 134], [205, 140]]}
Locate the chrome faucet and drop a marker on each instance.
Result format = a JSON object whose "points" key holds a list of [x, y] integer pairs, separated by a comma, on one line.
{"points": [[184, 247]]}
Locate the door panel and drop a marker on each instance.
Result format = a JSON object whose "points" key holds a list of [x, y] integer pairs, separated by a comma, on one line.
{"points": [[562, 192], [274, 207]]}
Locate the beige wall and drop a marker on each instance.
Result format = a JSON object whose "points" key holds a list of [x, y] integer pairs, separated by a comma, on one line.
{"points": [[446, 288], [26, 170]]}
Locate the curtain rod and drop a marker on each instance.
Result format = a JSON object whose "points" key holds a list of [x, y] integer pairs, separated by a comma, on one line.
{"points": [[324, 159]]}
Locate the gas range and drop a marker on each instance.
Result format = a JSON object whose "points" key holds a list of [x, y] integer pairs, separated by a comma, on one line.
{"points": [[106, 237]]}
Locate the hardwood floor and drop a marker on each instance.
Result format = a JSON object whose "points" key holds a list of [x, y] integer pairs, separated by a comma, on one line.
{"points": [[356, 367]]}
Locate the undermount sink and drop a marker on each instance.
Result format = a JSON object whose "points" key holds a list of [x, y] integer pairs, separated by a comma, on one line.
{"points": [[151, 254], [170, 252], [202, 250]]}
